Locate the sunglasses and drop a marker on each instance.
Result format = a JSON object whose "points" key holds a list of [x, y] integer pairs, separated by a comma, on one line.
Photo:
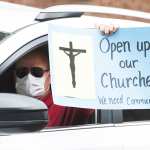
{"points": [[35, 71]]}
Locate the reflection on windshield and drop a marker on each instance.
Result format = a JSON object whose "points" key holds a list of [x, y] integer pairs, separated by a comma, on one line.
{"points": [[3, 35]]}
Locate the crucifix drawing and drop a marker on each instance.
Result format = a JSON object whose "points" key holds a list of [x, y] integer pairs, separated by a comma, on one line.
{"points": [[71, 52]]}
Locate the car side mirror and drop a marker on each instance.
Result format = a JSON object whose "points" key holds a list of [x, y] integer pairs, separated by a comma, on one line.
{"points": [[20, 113]]}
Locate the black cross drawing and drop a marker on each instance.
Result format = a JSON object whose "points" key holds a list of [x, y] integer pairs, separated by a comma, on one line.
{"points": [[72, 53]]}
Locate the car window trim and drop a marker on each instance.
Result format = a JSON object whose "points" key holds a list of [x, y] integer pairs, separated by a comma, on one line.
{"points": [[79, 127]]}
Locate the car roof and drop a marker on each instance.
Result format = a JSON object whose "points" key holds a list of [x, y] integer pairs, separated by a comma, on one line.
{"points": [[10, 14], [71, 14], [96, 9], [15, 16], [90, 22]]}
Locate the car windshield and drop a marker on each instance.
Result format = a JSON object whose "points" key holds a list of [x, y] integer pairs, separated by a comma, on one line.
{"points": [[3, 35]]}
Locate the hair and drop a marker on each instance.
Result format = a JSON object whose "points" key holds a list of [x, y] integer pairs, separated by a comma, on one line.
{"points": [[41, 51]]}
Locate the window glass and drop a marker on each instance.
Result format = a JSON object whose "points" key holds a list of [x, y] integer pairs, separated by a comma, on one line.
{"points": [[136, 115]]}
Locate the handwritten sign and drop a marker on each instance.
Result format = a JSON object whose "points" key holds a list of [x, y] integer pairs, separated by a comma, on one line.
{"points": [[90, 70]]}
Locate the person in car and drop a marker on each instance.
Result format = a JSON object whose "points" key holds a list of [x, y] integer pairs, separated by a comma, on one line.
{"points": [[32, 78]]}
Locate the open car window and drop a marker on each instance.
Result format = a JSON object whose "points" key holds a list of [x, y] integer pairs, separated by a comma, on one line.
{"points": [[8, 85]]}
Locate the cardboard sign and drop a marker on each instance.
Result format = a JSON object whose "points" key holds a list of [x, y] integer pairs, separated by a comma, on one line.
{"points": [[90, 70]]}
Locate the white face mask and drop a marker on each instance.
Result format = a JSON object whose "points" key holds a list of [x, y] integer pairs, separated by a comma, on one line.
{"points": [[30, 85]]}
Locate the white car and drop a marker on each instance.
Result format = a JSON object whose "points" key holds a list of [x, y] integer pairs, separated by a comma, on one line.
{"points": [[22, 29]]}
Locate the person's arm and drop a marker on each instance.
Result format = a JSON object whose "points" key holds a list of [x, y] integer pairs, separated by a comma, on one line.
{"points": [[106, 29]]}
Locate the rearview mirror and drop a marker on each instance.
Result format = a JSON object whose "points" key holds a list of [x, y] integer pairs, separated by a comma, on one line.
{"points": [[20, 113]]}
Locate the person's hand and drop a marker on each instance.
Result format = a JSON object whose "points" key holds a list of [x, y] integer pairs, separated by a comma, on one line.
{"points": [[106, 29]]}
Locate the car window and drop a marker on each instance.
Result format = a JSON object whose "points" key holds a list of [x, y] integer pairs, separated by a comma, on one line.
{"points": [[59, 116], [67, 119], [74, 116]]}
